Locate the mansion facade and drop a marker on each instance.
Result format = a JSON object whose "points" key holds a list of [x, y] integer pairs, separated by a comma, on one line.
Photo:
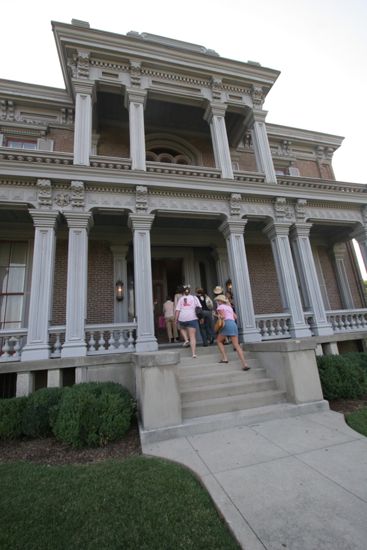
{"points": [[155, 166]]}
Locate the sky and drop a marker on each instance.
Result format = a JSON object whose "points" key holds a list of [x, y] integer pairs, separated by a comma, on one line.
{"points": [[320, 47]]}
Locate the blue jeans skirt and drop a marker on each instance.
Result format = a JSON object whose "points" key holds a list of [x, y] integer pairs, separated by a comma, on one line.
{"points": [[229, 329], [186, 324]]}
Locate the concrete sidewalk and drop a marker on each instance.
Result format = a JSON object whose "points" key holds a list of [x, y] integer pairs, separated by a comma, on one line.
{"points": [[295, 483]]}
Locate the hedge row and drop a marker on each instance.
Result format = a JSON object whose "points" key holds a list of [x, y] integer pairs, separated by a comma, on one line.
{"points": [[91, 414], [343, 376]]}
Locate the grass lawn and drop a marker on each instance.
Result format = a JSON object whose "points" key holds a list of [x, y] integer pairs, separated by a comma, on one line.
{"points": [[358, 421], [139, 503]]}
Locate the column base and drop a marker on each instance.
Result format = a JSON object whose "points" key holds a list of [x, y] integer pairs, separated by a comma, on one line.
{"points": [[249, 336], [325, 330], [35, 352], [300, 332], [77, 349], [146, 345]]}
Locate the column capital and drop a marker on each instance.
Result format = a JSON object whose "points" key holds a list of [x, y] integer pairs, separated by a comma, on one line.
{"points": [[276, 229], [233, 227], [300, 230], [133, 95], [259, 115], [140, 221], [360, 233], [44, 218], [214, 109], [79, 220], [83, 86]]}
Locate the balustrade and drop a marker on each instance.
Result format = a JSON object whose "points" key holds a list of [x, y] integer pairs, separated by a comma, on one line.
{"points": [[273, 326], [11, 344], [111, 338], [352, 320]]}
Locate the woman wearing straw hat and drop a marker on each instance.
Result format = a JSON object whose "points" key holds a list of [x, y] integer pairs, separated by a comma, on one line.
{"points": [[230, 330]]}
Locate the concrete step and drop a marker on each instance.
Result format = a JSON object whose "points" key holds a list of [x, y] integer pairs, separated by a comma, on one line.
{"points": [[226, 389], [195, 368], [218, 377], [219, 405], [215, 422], [212, 351]]}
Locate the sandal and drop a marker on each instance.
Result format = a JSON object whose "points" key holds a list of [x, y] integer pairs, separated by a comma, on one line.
{"points": [[194, 356], [222, 361], [186, 344], [246, 367]]}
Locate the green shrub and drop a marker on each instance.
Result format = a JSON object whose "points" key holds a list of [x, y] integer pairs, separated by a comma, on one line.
{"points": [[358, 421], [342, 377], [11, 417], [93, 414], [41, 406]]}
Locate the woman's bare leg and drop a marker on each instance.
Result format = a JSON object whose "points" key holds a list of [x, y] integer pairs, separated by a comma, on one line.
{"points": [[192, 338], [241, 355], [220, 340], [183, 332]]}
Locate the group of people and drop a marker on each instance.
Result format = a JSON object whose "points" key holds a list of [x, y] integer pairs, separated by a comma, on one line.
{"points": [[188, 313]]}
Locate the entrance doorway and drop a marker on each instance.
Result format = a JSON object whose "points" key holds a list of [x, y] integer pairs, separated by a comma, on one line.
{"points": [[167, 274]]}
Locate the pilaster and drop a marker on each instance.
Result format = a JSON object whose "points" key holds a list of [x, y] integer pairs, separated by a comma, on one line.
{"points": [[214, 115], [278, 235], [262, 150], [37, 346], [135, 102], [338, 252], [307, 271], [83, 121], [79, 224], [140, 225], [233, 231]]}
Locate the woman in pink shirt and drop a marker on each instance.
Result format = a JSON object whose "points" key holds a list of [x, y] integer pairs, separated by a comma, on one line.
{"points": [[186, 316], [230, 330]]}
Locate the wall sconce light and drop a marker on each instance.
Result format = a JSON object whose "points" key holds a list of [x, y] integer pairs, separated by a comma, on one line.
{"points": [[119, 291]]}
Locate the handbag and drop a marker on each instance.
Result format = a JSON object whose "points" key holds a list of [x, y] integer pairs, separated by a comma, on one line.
{"points": [[161, 321], [199, 312], [219, 324]]}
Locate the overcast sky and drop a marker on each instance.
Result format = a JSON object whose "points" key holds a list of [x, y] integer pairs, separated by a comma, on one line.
{"points": [[320, 47]]}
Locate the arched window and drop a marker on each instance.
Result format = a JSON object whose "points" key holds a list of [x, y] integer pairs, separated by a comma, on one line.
{"points": [[171, 149]]}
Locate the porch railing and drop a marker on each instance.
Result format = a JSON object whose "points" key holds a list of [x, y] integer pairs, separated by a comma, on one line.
{"points": [[273, 326], [348, 320], [11, 343], [110, 338]]}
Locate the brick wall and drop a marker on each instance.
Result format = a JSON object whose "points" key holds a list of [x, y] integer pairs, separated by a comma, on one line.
{"points": [[308, 168], [352, 273], [263, 278], [247, 162], [100, 283], [114, 142], [63, 139]]}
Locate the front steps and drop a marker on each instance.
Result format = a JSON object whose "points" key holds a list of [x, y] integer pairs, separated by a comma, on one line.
{"points": [[208, 387], [217, 396]]}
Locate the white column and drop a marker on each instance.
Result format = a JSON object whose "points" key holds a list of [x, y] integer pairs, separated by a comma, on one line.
{"points": [[76, 296], [221, 263], [278, 235], [339, 251], [83, 121], [361, 236], [233, 232], [140, 225], [262, 150], [135, 101], [214, 115], [306, 267], [120, 274], [40, 307]]}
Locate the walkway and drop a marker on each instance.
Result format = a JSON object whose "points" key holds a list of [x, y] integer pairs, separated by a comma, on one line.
{"points": [[294, 483]]}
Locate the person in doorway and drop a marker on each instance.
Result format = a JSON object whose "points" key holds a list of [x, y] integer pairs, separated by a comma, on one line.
{"points": [[230, 330], [206, 321], [186, 316], [169, 317]]}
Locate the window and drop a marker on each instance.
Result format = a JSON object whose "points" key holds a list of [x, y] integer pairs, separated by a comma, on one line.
{"points": [[19, 143], [13, 263], [169, 156]]}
